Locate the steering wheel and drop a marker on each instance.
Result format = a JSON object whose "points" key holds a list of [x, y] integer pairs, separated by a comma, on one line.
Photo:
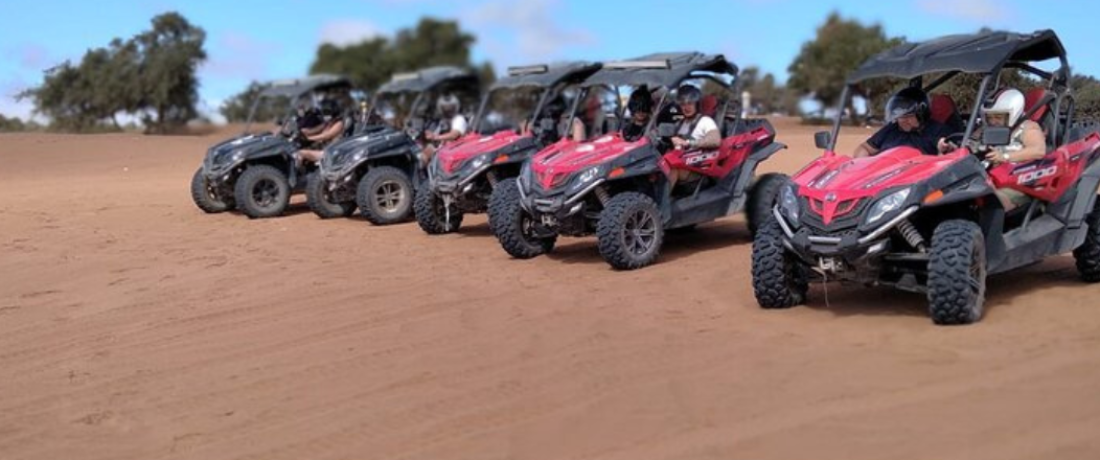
{"points": [[971, 145]]}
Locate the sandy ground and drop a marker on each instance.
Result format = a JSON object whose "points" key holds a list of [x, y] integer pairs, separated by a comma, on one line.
{"points": [[133, 326]]}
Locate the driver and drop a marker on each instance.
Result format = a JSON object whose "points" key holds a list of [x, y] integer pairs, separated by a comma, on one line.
{"points": [[452, 125], [1026, 143], [640, 105], [909, 123], [331, 127], [695, 132]]}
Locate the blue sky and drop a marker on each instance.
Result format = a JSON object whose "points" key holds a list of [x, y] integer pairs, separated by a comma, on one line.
{"points": [[268, 39]]}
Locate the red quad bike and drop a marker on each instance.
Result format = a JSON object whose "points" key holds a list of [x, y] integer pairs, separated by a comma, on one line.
{"points": [[933, 224], [517, 118], [619, 188]]}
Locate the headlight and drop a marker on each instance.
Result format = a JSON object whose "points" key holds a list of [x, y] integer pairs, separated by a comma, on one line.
{"points": [[788, 203], [358, 156], [237, 156], [887, 204], [479, 161], [586, 177]]}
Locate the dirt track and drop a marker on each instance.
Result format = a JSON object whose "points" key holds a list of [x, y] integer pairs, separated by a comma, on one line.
{"points": [[132, 326]]}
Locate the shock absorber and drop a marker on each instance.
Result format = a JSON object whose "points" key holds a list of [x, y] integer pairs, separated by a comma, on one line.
{"points": [[492, 177], [911, 235], [602, 195]]}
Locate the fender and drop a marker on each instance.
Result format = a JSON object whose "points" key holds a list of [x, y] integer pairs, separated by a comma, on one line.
{"points": [[744, 176], [1087, 189]]}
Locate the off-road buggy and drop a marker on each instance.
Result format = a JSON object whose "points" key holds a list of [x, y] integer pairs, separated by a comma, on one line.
{"points": [[619, 188], [379, 169], [932, 224], [518, 117], [257, 173]]}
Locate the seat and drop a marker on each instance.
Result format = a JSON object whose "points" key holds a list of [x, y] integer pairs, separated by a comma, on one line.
{"points": [[1037, 103], [943, 110]]}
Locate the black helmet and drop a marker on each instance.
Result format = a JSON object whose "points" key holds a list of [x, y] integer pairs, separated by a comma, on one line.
{"points": [[688, 94], [330, 108], [640, 101], [911, 100]]}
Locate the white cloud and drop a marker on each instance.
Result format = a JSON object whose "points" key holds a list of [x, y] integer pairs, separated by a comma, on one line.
{"points": [[979, 11], [345, 32], [522, 32]]}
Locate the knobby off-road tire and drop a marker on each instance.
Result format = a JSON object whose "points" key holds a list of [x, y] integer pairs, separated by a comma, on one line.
{"points": [[385, 195], [262, 191], [630, 231], [778, 279], [320, 201], [206, 198], [432, 215], [762, 196], [512, 225], [957, 273], [1088, 254]]}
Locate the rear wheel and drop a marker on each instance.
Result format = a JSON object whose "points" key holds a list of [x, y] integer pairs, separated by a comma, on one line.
{"points": [[320, 201], [206, 197], [762, 196], [956, 273], [385, 195], [513, 226], [262, 191], [778, 278], [1088, 254], [630, 232], [432, 214]]}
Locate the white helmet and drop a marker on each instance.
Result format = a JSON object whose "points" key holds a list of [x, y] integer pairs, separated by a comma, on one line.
{"points": [[447, 103], [1009, 102]]}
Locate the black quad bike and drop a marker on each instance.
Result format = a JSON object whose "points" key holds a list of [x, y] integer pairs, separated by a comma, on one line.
{"points": [[518, 117], [934, 224], [379, 169], [619, 187], [257, 173]]}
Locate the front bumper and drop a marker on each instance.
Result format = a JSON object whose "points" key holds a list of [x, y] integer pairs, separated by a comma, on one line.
{"points": [[849, 246]]}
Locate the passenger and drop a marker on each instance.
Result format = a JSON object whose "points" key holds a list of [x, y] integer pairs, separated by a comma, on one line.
{"points": [[908, 124]]}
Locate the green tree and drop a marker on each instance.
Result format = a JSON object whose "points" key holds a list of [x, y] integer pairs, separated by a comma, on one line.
{"points": [[1086, 89], [372, 62], [822, 65], [171, 53], [11, 125], [767, 95], [152, 75]]}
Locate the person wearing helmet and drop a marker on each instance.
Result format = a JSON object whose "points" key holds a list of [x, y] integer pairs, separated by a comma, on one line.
{"points": [[557, 111], [332, 126], [1026, 143], [452, 125], [909, 123], [640, 106], [696, 131]]}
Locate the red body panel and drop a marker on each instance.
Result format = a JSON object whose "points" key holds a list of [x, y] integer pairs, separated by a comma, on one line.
{"points": [[835, 184], [718, 163], [1047, 178], [454, 153], [565, 157]]}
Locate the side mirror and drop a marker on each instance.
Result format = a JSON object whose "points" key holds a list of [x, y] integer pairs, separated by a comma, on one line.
{"points": [[996, 136], [666, 130], [822, 139], [416, 124]]}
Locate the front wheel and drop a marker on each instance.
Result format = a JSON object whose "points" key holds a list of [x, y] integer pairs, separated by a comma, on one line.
{"points": [[434, 216], [629, 232], [762, 198], [778, 279], [513, 226], [385, 195], [262, 191], [956, 273], [320, 201], [206, 197], [1087, 255]]}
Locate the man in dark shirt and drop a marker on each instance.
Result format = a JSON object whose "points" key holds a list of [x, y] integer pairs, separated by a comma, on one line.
{"points": [[909, 124]]}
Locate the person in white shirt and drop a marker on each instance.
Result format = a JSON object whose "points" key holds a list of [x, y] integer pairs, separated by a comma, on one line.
{"points": [[451, 126], [695, 131]]}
